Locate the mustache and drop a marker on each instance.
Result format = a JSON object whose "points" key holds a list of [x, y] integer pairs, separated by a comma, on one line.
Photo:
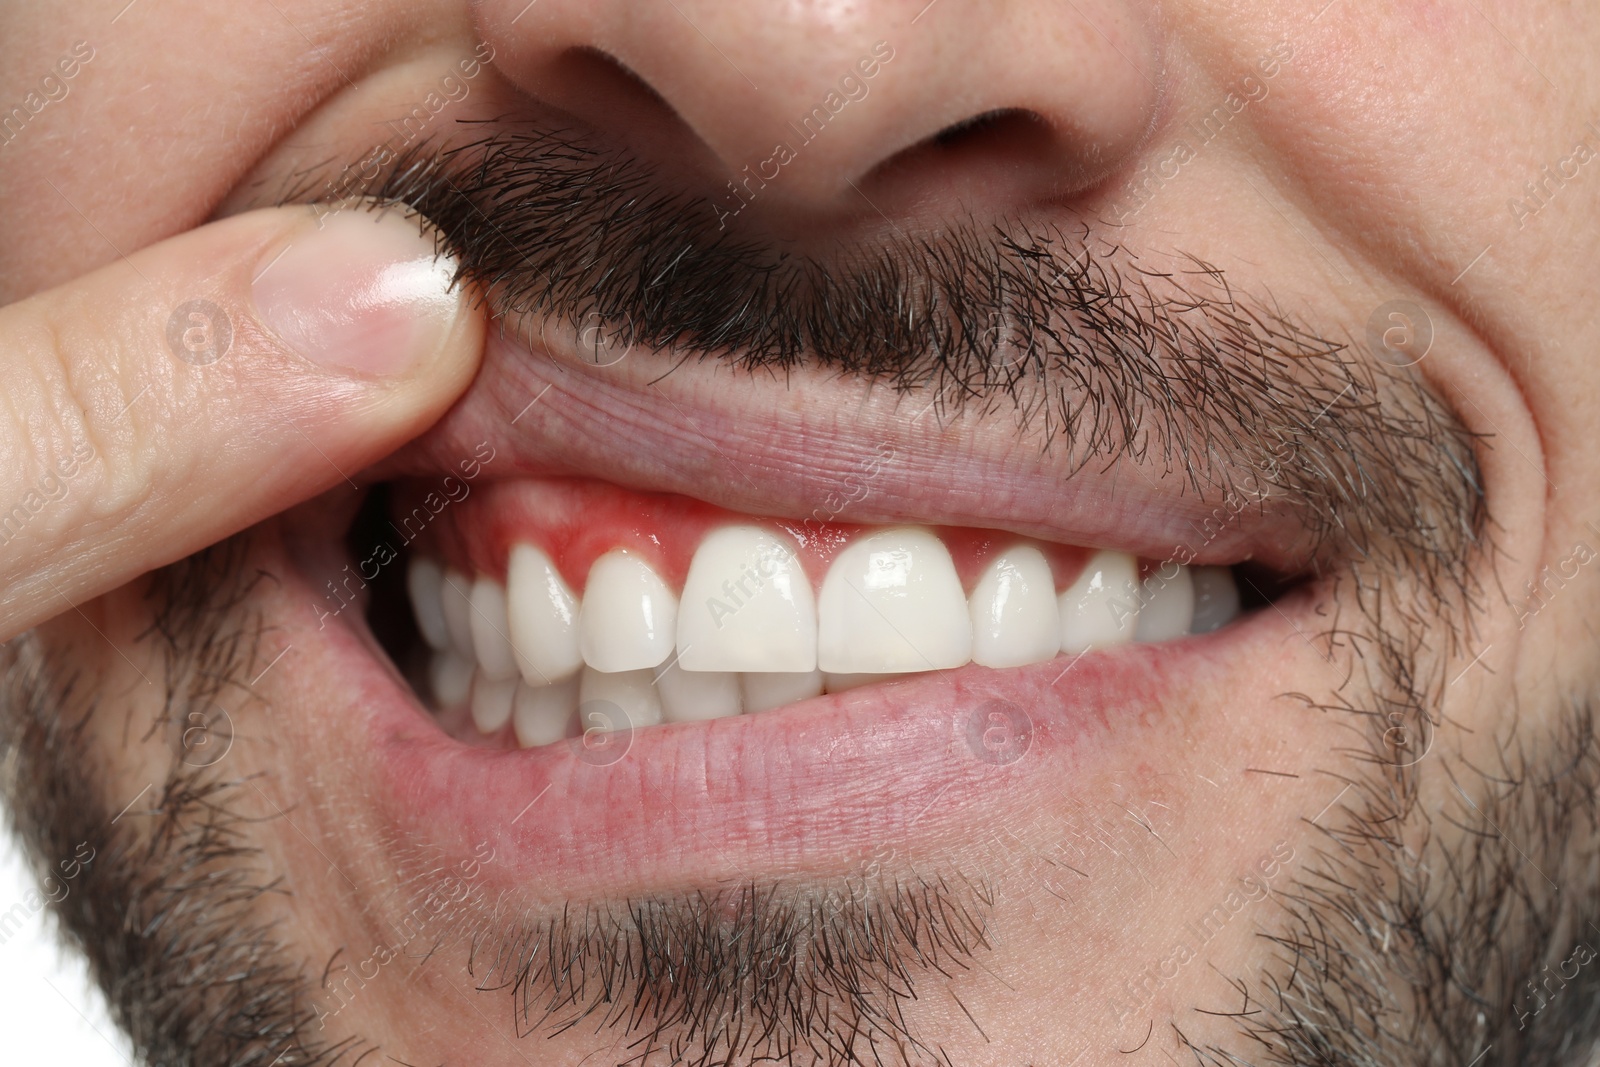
{"points": [[1107, 357], [1214, 381]]}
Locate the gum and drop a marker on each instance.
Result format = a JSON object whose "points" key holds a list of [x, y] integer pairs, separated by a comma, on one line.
{"points": [[575, 521]]}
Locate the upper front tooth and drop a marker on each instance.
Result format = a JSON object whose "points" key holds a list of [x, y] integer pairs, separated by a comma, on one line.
{"points": [[488, 624], [425, 582], [1216, 599], [542, 615], [892, 603], [456, 602], [629, 617], [1168, 604], [1101, 607], [747, 606], [1015, 620]]}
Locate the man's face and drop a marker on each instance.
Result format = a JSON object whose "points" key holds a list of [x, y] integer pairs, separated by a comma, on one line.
{"points": [[1288, 300]]}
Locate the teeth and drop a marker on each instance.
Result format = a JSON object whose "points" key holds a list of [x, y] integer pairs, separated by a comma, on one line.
{"points": [[491, 702], [763, 692], [1216, 599], [892, 603], [839, 683], [449, 676], [750, 636], [629, 616], [1015, 620], [617, 700], [542, 616], [425, 582], [747, 606], [488, 625], [694, 696], [1101, 608], [455, 598], [541, 715], [1168, 608]]}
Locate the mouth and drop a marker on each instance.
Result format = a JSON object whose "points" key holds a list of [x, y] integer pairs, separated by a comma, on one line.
{"points": [[549, 610], [619, 685], [663, 605]]}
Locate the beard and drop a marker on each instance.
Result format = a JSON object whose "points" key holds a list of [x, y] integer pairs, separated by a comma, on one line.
{"points": [[1435, 922], [1415, 933]]}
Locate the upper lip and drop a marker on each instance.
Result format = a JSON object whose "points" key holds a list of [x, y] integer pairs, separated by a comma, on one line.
{"points": [[584, 248], [788, 447]]}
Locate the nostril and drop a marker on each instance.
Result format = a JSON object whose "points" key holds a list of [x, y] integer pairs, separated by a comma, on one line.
{"points": [[610, 101], [589, 72], [998, 125], [612, 104], [1005, 157]]}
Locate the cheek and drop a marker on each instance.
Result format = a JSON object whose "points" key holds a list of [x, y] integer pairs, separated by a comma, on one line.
{"points": [[252, 86], [1349, 119], [127, 749]]}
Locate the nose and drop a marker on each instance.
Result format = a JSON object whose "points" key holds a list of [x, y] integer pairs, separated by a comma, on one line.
{"points": [[821, 102]]}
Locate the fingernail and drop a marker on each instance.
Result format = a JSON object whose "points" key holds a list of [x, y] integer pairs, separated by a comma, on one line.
{"points": [[363, 293]]}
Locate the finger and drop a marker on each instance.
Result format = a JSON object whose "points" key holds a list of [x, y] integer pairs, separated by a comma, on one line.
{"points": [[193, 388]]}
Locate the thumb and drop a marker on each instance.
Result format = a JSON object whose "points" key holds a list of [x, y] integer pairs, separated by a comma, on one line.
{"points": [[159, 404]]}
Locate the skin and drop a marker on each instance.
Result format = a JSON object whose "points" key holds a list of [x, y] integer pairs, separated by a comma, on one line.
{"points": [[1377, 166]]}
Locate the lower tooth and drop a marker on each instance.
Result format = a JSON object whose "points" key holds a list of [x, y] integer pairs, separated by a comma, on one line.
{"points": [[1168, 608], [1216, 599], [491, 702], [542, 715], [617, 700], [838, 683], [450, 677], [694, 696], [764, 691]]}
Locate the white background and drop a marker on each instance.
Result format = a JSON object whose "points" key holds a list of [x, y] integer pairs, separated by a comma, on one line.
{"points": [[49, 1013]]}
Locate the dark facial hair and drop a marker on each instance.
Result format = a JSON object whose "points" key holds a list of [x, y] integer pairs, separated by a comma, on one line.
{"points": [[1392, 943]]}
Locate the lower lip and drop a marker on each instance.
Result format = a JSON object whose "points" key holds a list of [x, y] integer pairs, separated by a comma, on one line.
{"points": [[809, 789]]}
